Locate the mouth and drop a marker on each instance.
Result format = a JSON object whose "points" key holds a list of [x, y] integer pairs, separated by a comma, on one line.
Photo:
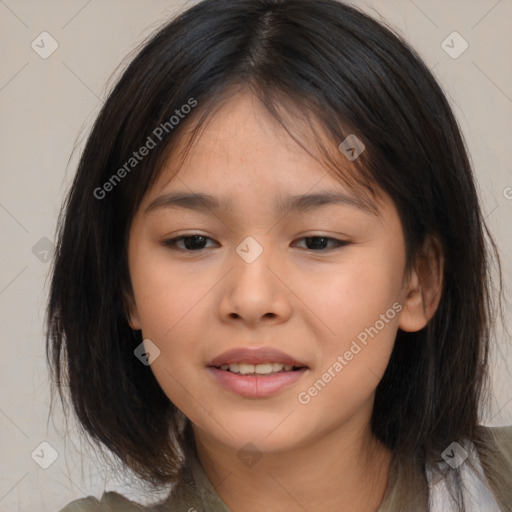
{"points": [[256, 372], [256, 361], [257, 381], [260, 369]]}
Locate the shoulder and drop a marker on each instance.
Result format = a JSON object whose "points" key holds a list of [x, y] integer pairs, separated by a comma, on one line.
{"points": [[499, 438], [109, 502], [495, 451]]}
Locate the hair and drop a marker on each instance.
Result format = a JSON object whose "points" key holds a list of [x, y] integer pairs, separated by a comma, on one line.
{"points": [[323, 70]]}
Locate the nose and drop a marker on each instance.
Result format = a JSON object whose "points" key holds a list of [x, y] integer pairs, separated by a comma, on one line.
{"points": [[255, 292]]}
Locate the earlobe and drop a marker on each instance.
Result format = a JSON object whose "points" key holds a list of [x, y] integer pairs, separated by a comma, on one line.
{"points": [[132, 314], [414, 315], [134, 323], [423, 288]]}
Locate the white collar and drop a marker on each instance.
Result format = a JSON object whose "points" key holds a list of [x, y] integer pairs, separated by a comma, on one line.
{"points": [[477, 494]]}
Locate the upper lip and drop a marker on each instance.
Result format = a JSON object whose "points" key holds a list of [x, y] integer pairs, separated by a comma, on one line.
{"points": [[254, 356]]}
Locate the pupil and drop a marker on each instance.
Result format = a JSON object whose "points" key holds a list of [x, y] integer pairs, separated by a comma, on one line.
{"points": [[190, 242], [317, 245]]}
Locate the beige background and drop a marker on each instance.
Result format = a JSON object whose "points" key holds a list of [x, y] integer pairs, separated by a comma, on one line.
{"points": [[45, 105]]}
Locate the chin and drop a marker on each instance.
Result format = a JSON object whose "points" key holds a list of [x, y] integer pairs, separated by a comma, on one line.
{"points": [[267, 432]]}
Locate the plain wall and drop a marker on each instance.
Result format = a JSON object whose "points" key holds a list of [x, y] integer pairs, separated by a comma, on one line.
{"points": [[49, 104]]}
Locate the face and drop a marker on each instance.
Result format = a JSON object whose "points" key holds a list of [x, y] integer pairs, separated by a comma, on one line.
{"points": [[323, 285]]}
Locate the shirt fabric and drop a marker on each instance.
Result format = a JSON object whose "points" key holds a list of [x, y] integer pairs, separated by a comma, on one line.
{"points": [[195, 493], [477, 496]]}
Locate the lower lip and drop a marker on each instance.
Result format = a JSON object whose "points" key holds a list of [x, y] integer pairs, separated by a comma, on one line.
{"points": [[256, 386]]}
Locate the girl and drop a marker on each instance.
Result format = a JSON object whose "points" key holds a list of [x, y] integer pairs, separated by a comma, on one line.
{"points": [[271, 285]]}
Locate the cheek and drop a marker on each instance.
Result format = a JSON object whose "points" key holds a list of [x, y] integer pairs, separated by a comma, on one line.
{"points": [[164, 293], [351, 296], [168, 317], [359, 306], [172, 304], [166, 304]]}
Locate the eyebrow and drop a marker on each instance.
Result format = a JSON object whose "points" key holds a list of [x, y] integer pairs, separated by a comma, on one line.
{"points": [[295, 203]]}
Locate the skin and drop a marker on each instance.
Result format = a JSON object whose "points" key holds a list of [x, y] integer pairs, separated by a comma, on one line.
{"points": [[310, 303]]}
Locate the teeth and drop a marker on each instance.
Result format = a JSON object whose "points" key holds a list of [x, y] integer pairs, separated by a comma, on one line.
{"points": [[244, 369], [258, 369], [264, 368]]}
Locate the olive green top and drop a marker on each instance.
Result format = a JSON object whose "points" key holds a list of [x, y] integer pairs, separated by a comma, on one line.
{"points": [[195, 493]]}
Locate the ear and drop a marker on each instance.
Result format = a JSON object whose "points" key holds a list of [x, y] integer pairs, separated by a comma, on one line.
{"points": [[132, 315], [423, 287]]}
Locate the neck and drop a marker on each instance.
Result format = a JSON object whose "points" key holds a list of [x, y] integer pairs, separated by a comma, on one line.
{"points": [[343, 470]]}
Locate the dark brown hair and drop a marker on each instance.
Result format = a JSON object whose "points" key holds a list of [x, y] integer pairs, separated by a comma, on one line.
{"points": [[327, 65]]}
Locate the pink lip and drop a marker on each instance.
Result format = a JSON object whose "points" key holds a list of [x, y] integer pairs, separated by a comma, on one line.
{"points": [[251, 385], [260, 386], [254, 356]]}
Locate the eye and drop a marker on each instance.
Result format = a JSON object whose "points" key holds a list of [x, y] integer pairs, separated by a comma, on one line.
{"points": [[192, 243], [319, 243], [196, 242]]}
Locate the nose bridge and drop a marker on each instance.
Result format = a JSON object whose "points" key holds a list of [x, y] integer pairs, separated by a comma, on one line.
{"points": [[251, 262], [253, 289]]}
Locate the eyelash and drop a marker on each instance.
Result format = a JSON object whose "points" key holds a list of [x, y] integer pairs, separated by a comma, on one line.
{"points": [[172, 243]]}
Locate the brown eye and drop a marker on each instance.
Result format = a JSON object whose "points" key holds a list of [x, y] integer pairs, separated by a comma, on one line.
{"points": [[191, 243], [316, 243]]}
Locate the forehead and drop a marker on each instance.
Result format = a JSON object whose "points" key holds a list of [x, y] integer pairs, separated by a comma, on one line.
{"points": [[242, 147]]}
